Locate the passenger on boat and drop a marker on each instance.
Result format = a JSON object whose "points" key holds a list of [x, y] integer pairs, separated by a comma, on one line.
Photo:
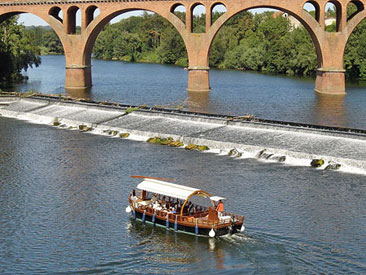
{"points": [[133, 197], [220, 208], [156, 205], [173, 210], [163, 202], [154, 198]]}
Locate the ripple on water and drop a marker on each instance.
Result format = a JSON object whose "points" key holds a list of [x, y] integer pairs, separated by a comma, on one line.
{"points": [[62, 210]]}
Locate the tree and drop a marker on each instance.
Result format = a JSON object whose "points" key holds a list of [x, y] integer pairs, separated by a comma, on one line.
{"points": [[17, 51], [171, 47]]}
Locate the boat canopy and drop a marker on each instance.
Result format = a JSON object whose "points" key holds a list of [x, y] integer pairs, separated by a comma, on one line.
{"points": [[217, 198], [167, 188]]}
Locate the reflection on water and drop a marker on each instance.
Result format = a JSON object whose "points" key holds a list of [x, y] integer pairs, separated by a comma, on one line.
{"points": [[79, 93], [330, 110], [198, 102], [167, 247], [63, 196]]}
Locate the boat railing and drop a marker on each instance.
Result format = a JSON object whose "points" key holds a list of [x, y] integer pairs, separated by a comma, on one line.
{"points": [[195, 218]]}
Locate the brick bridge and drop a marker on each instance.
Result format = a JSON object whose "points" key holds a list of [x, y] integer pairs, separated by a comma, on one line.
{"points": [[330, 46]]}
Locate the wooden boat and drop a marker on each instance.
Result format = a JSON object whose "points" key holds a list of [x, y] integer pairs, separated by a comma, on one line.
{"points": [[168, 204]]}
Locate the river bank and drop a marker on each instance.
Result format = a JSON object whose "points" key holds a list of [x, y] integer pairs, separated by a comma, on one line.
{"points": [[242, 137]]}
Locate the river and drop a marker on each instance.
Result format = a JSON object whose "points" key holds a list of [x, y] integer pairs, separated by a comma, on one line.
{"points": [[63, 193], [233, 92]]}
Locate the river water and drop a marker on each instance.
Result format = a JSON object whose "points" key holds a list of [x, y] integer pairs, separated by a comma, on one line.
{"points": [[63, 193], [233, 92]]}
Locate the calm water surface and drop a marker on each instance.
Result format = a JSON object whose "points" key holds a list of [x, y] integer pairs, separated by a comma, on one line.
{"points": [[63, 193], [233, 92], [63, 196]]}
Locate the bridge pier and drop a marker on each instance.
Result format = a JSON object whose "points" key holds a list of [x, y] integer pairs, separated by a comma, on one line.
{"points": [[330, 81], [198, 80], [78, 77]]}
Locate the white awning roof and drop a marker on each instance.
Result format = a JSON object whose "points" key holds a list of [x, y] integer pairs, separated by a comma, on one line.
{"points": [[166, 188], [217, 198]]}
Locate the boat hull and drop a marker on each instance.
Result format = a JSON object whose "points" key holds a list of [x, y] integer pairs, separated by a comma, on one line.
{"points": [[195, 230]]}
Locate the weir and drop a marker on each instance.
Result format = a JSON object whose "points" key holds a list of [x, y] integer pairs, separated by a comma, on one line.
{"points": [[293, 144]]}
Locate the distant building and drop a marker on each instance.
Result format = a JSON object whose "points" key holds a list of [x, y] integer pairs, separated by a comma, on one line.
{"points": [[296, 23]]}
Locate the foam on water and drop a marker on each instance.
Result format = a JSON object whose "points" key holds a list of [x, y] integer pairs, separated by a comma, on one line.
{"points": [[268, 143]]}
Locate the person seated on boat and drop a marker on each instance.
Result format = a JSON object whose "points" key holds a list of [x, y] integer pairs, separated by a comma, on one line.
{"points": [[133, 196], [163, 202], [186, 208], [156, 205], [173, 210], [220, 208], [170, 202], [154, 198], [191, 209]]}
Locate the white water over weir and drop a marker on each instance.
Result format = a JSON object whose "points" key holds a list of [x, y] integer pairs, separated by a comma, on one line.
{"points": [[289, 144]]}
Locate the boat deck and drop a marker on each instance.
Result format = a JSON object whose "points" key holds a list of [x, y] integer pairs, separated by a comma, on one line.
{"points": [[200, 217]]}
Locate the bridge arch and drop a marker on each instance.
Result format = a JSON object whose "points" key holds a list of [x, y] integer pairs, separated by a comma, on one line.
{"points": [[359, 7], [355, 19], [71, 19], [55, 12], [179, 7], [52, 21], [95, 27], [309, 22], [316, 7], [89, 14]]}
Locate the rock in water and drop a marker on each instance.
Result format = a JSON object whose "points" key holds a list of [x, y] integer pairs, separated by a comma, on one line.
{"points": [[235, 153], [317, 162], [191, 147], [124, 135], [332, 166]]}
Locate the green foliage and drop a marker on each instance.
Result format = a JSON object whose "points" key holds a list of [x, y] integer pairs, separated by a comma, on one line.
{"points": [[46, 39], [146, 38], [355, 54], [18, 51], [268, 44], [132, 109], [171, 48]]}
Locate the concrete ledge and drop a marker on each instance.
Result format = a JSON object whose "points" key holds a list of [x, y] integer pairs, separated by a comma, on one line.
{"points": [[331, 70], [77, 88], [77, 67], [198, 68], [330, 93]]}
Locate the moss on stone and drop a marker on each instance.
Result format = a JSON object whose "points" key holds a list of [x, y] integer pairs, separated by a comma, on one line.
{"points": [[191, 147], [203, 148], [124, 135], [176, 143], [85, 128], [166, 141], [132, 109], [197, 147], [154, 140]]}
